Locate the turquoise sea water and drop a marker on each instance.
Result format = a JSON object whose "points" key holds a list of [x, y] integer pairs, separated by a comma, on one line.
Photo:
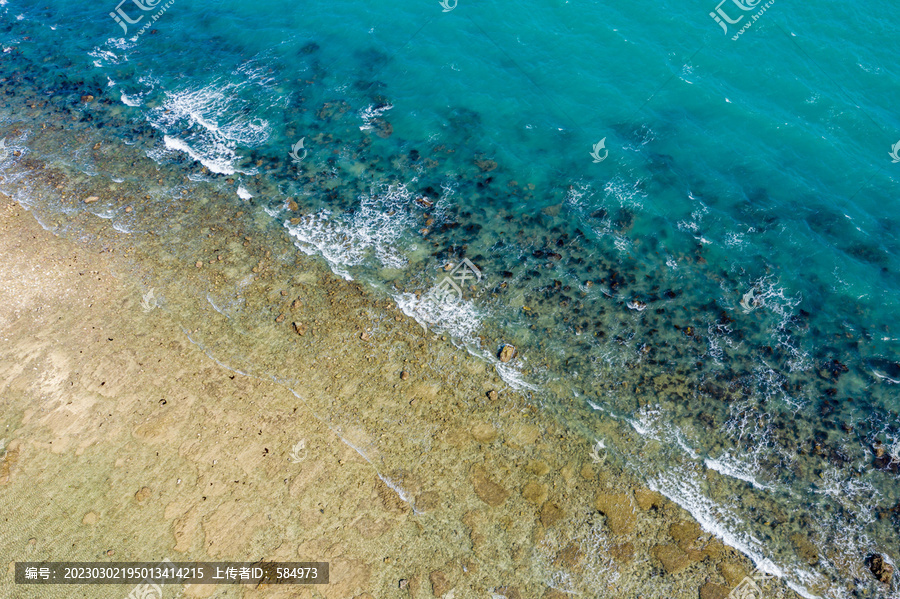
{"points": [[719, 281]]}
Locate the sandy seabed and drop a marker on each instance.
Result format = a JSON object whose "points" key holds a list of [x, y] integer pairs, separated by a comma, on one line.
{"points": [[130, 430]]}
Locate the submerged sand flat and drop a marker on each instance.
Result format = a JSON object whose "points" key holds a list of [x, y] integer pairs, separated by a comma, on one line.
{"points": [[363, 442]]}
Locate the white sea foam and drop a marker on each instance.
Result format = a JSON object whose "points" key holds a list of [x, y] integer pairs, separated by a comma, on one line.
{"points": [[244, 194], [370, 113], [130, 100], [728, 465], [401, 493], [372, 231], [215, 117], [461, 318], [627, 193], [513, 376], [107, 57], [222, 166], [853, 494], [684, 486]]}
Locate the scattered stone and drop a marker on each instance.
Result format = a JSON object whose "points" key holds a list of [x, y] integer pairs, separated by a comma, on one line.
{"points": [[672, 557], [484, 432], [90, 518], [732, 573], [280, 318], [551, 514], [389, 498], [299, 328], [647, 499], [509, 592], [403, 583], [568, 557], [91, 200], [142, 495], [623, 553], [507, 353], [486, 166], [487, 490], [199, 264], [535, 493], [686, 534], [537, 468], [428, 501], [383, 129], [87, 98], [296, 304], [128, 208], [493, 395], [619, 511], [8, 461], [404, 376], [882, 570], [805, 549], [523, 435], [711, 590], [364, 336], [439, 583], [552, 210]]}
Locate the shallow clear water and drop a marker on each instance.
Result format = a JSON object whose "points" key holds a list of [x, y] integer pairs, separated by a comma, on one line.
{"points": [[711, 296]]}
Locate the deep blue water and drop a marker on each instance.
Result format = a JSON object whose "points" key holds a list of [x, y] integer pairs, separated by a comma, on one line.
{"points": [[715, 300]]}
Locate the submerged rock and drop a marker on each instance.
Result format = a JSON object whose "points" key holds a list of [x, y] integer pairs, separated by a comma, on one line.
{"points": [[440, 585], [486, 166], [882, 570], [619, 511], [672, 557], [507, 353], [711, 590], [487, 490]]}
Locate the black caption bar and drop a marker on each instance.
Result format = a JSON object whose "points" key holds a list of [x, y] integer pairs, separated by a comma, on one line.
{"points": [[159, 573]]}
